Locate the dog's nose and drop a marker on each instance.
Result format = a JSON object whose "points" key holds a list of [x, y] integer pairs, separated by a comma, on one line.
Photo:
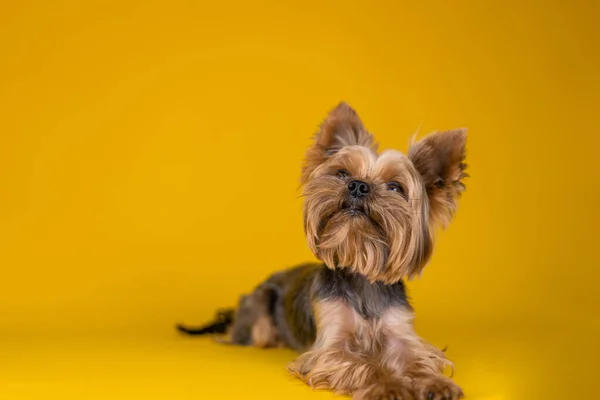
{"points": [[358, 189]]}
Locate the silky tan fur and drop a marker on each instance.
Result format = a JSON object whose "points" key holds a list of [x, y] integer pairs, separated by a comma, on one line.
{"points": [[350, 317]]}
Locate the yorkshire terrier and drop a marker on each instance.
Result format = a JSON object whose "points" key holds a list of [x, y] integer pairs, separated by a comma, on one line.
{"points": [[369, 217]]}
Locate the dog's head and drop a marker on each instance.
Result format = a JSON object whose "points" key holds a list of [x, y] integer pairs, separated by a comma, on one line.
{"points": [[373, 212]]}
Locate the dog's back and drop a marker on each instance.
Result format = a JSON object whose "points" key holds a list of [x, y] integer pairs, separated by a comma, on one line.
{"points": [[278, 313]]}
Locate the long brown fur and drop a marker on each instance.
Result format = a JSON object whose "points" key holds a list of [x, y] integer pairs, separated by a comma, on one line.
{"points": [[370, 217]]}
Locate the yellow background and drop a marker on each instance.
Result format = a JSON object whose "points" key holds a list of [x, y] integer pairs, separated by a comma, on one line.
{"points": [[149, 165]]}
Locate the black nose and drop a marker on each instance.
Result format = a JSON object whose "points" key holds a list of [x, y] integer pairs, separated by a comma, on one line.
{"points": [[358, 189]]}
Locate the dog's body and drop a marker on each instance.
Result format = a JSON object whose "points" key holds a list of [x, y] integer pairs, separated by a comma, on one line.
{"points": [[369, 217]]}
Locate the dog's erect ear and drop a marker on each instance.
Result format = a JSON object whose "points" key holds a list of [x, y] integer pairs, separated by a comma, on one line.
{"points": [[342, 127], [439, 158]]}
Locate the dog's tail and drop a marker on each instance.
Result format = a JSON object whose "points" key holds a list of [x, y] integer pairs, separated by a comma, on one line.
{"points": [[219, 325]]}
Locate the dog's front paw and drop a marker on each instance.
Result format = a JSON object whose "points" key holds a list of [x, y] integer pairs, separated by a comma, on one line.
{"points": [[391, 390], [302, 365], [295, 369], [436, 387]]}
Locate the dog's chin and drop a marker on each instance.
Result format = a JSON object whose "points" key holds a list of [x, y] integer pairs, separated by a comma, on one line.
{"points": [[353, 218], [354, 208], [351, 239], [354, 212]]}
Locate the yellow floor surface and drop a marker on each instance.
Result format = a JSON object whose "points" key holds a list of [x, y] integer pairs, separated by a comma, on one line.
{"points": [[495, 363]]}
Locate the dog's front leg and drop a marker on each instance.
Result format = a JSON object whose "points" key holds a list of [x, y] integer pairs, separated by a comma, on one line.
{"points": [[410, 358], [331, 362]]}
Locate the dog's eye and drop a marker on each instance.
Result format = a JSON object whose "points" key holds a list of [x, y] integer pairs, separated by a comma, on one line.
{"points": [[396, 187], [343, 174]]}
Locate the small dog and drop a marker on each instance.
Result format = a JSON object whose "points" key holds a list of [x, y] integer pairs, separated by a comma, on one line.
{"points": [[369, 217]]}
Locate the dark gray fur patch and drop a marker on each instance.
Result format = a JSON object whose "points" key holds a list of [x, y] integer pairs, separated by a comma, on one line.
{"points": [[293, 314], [369, 300]]}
